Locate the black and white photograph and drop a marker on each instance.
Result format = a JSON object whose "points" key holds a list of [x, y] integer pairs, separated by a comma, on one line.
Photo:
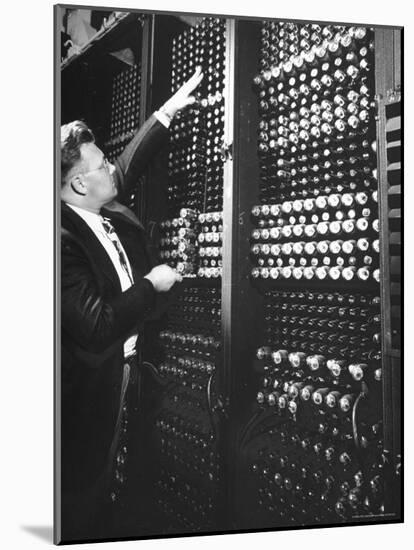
{"points": [[228, 253]]}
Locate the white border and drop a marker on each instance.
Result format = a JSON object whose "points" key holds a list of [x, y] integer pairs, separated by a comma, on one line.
{"points": [[27, 270]]}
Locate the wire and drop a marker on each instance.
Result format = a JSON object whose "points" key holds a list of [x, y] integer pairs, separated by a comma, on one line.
{"points": [[152, 225], [209, 392], [209, 406], [354, 417], [250, 424], [155, 372]]}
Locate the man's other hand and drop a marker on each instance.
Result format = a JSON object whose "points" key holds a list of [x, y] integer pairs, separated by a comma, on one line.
{"points": [[163, 277]]}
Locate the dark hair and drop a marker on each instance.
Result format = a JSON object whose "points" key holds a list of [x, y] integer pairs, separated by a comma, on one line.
{"points": [[72, 136]]}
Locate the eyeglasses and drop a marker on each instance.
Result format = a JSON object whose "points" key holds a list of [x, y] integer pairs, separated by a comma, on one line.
{"points": [[106, 165]]}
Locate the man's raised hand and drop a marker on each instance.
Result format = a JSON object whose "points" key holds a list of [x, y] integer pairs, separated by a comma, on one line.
{"points": [[183, 96]]}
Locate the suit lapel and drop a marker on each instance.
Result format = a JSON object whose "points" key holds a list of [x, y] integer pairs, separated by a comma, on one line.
{"points": [[90, 242], [115, 208]]}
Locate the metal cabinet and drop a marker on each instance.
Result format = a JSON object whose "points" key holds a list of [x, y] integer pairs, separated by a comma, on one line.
{"points": [[232, 444]]}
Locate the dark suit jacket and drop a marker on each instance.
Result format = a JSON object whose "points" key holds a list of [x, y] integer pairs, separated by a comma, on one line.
{"points": [[97, 317]]}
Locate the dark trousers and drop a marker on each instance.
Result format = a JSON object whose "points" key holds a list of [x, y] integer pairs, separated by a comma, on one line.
{"points": [[90, 514]]}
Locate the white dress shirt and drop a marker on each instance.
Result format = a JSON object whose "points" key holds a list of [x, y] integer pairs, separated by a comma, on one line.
{"points": [[94, 221]]}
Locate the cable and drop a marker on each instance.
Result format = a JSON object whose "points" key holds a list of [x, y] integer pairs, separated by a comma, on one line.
{"points": [[250, 424], [209, 392], [155, 372], [363, 393]]}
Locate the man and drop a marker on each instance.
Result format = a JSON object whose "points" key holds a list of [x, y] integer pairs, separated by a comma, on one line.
{"points": [[108, 288]]}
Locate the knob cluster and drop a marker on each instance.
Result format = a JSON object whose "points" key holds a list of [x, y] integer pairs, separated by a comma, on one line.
{"points": [[126, 93], [178, 245], [192, 243], [303, 479], [188, 452], [189, 358], [197, 344], [308, 468], [199, 308], [332, 237], [190, 372], [210, 241], [124, 117], [196, 510], [292, 380], [343, 325], [185, 428], [316, 106], [316, 233], [195, 163]]}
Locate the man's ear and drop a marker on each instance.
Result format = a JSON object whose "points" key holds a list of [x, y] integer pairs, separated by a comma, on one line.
{"points": [[78, 185]]}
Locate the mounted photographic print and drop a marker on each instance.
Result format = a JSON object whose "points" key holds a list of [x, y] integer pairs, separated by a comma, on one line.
{"points": [[228, 274]]}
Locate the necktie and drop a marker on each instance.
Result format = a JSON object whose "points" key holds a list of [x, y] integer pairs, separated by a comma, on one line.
{"points": [[110, 231]]}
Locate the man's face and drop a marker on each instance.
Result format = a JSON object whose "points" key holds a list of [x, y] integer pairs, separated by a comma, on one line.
{"points": [[97, 174]]}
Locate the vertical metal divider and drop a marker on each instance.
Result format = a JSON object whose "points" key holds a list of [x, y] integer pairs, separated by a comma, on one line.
{"points": [[384, 80], [146, 67], [397, 360], [381, 87], [229, 260], [241, 304], [147, 50]]}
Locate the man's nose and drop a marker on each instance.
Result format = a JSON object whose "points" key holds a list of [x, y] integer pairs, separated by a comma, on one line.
{"points": [[111, 168]]}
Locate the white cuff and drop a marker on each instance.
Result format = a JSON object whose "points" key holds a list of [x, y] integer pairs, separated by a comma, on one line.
{"points": [[163, 118]]}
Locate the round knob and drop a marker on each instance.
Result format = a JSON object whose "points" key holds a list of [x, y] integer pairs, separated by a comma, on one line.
{"points": [[332, 399], [260, 397], [317, 447], [354, 497], [263, 352], [293, 407], [306, 392], [278, 478], [329, 453], [315, 362], [345, 459], [283, 401], [346, 402], [272, 399], [340, 507], [297, 359], [279, 356], [318, 395]]}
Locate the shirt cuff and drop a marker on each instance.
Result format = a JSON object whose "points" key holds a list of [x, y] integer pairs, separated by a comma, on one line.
{"points": [[163, 118]]}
